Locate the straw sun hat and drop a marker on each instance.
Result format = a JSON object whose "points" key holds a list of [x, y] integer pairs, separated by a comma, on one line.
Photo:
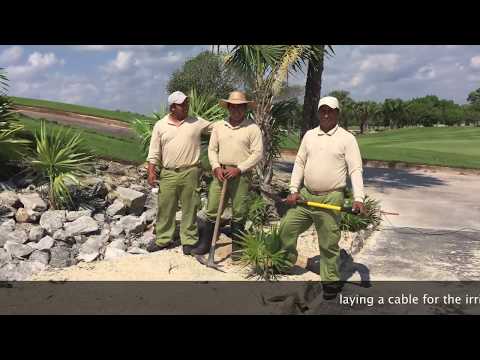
{"points": [[237, 97]]}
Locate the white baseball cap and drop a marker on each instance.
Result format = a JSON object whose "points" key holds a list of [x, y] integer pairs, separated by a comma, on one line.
{"points": [[330, 101], [176, 97]]}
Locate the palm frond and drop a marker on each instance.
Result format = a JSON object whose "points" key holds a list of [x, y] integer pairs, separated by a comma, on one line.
{"points": [[59, 157]]}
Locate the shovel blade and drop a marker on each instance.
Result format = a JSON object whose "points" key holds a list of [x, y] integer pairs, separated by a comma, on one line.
{"points": [[209, 264]]}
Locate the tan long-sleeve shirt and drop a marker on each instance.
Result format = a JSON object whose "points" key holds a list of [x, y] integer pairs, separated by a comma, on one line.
{"points": [[241, 145], [324, 159], [173, 146]]}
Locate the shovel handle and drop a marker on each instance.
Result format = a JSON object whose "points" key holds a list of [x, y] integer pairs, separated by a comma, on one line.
{"points": [[217, 221]]}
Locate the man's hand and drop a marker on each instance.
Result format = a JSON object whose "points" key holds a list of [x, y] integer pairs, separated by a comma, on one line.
{"points": [[152, 175], [218, 173], [293, 198], [359, 208], [231, 172]]}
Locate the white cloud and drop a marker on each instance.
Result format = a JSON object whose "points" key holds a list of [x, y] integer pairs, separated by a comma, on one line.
{"points": [[475, 62], [116, 47], [425, 73], [386, 62], [36, 63], [11, 55], [122, 62]]}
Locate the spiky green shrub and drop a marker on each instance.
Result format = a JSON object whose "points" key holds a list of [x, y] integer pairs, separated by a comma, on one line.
{"points": [[260, 251], [354, 223], [259, 211], [12, 145], [58, 159]]}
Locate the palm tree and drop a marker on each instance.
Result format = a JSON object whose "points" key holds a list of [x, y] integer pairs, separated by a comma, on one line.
{"points": [[394, 111], [313, 86], [347, 106], [365, 110], [264, 69]]}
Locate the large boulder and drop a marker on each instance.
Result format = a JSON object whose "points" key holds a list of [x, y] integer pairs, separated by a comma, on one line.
{"points": [[7, 211], [146, 239], [150, 215], [91, 249], [118, 244], [4, 257], [116, 230], [45, 243], [117, 208], [20, 271], [133, 200], [135, 250], [36, 233], [16, 236], [17, 250], [9, 198], [74, 215], [132, 224], [113, 253], [7, 226], [60, 256], [23, 215], [53, 220], [81, 226], [40, 256], [32, 202]]}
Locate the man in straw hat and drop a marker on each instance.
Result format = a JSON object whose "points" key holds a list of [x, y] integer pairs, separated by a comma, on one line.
{"points": [[326, 154], [175, 149], [235, 148]]}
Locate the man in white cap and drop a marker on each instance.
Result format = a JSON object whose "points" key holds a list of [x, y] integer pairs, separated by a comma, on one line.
{"points": [[175, 150], [235, 147], [326, 154]]}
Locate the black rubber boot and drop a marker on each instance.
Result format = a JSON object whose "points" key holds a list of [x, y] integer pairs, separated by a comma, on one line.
{"points": [[236, 230], [187, 249], [331, 289], [153, 246], [205, 234]]}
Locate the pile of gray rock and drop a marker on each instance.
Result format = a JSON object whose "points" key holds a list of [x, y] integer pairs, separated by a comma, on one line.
{"points": [[34, 237]]}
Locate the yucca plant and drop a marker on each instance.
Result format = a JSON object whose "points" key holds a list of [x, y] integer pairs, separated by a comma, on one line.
{"points": [[12, 146], [59, 159], [260, 250], [259, 212], [354, 223]]}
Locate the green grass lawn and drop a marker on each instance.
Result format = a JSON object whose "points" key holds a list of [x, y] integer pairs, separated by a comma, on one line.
{"points": [[449, 146], [454, 146], [104, 146], [125, 116]]}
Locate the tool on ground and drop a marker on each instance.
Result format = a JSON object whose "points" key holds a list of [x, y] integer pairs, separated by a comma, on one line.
{"points": [[210, 262]]}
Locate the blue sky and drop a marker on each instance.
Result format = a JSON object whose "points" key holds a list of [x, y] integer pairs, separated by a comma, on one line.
{"points": [[133, 77]]}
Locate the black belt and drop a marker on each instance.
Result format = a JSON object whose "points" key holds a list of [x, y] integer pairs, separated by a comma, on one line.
{"points": [[183, 168], [319, 193]]}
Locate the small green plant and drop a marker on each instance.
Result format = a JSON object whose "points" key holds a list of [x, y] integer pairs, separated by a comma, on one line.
{"points": [[259, 212], [59, 158], [12, 145], [354, 223], [260, 250]]}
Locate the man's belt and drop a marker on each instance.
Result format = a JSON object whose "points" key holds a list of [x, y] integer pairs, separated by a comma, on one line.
{"points": [[182, 168], [319, 193]]}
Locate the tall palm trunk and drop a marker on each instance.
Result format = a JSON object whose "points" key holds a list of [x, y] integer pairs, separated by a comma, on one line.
{"points": [[313, 88]]}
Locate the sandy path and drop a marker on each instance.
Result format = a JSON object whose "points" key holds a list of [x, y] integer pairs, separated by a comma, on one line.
{"points": [[171, 265], [104, 125]]}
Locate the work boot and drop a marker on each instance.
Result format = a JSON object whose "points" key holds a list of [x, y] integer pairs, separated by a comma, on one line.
{"points": [[187, 249], [153, 246], [236, 230], [331, 289], [205, 235]]}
